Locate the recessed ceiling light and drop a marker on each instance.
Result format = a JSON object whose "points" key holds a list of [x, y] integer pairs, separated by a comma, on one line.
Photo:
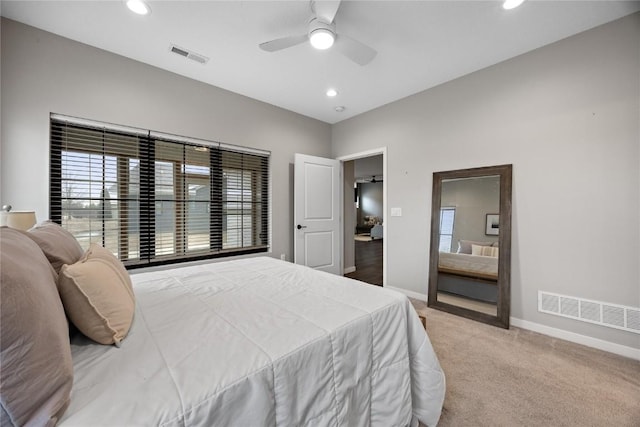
{"points": [[331, 93], [138, 6], [340, 109], [511, 4]]}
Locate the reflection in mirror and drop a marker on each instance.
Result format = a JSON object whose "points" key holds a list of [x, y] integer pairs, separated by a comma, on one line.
{"points": [[468, 259], [470, 246]]}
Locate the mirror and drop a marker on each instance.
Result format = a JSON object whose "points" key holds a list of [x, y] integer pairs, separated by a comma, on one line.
{"points": [[470, 263]]}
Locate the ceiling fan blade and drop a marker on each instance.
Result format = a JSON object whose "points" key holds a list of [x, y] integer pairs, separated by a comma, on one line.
{"points": [[325, 9], [354, 50], [283, 43]]}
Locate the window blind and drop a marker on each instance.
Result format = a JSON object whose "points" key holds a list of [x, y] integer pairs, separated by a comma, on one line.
{"points": [[153, 198]]}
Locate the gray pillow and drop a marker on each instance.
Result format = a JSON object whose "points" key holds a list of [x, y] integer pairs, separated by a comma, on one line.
{"points": [[37, 371], [58, 245], [464, 246]]}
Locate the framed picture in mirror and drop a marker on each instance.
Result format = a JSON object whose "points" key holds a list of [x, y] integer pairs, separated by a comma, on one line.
{"points": [[492, 227]]}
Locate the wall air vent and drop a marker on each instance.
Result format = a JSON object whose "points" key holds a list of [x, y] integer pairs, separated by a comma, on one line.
{"points": [[633, 319], [569, 306], [201, 59], [550, 303], [598, 312]]}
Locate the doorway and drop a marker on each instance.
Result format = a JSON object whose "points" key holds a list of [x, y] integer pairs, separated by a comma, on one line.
{"points": [[364, 216]]}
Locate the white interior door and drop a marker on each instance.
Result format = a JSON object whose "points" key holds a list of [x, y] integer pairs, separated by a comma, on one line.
{"points": [[316, 215]]}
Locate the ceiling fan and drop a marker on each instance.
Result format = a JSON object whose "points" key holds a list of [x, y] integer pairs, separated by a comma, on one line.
{"points": [[371, 180], [322, 35]]}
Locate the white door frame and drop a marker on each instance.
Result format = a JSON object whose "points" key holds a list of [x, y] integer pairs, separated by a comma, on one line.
{"points": [[369, 153]]}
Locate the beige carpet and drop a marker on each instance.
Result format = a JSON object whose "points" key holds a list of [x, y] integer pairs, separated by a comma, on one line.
{"points": [[498, 377]]}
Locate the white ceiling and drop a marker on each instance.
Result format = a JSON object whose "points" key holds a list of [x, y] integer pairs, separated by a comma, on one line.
{"points": [[420, 44]]}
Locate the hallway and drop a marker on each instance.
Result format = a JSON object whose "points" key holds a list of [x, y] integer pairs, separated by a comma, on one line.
{"points": [[368, 262]]}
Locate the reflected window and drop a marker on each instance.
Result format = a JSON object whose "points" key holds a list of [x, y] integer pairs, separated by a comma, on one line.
{"points": [[447, 219]]}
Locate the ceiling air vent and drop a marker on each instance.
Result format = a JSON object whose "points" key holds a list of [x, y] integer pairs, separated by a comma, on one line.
{"points": [[201, 59]]}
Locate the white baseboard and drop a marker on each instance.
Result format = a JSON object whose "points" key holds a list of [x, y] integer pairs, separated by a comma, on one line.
{"points": [[348, 270], [410, 294], [622, 350]]}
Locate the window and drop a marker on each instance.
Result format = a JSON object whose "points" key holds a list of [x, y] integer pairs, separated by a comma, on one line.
{"points": [[447, 217], [152, 198]]}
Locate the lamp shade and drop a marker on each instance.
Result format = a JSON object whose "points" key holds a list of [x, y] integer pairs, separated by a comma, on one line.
{"points": [[22, 220]]}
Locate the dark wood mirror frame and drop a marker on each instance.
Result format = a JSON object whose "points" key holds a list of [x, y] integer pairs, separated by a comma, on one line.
{"points": [[504, 241]]}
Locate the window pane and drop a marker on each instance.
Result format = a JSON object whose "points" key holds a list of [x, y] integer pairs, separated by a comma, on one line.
{"points": [[195, 170], [76, 219], [232, 237], [447, 220], [445, 243], [112, 229], [165, 229], [90, 209], [164, 181], [198, 225], [134, 178], [132, 230]]}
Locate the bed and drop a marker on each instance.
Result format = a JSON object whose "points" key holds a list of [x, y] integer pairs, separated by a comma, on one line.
{"points": [[257, 342], [470, 276], [475, 266]]}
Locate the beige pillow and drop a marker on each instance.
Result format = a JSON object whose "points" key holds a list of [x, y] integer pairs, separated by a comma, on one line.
{"points": [[484, 251], [464, 246], [98, 296], [58, 245], [37, 371], [490, 251], [476, 249]]}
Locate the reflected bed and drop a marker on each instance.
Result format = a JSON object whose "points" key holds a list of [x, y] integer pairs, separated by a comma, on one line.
{"points": [[470, 276], [474, 266]]}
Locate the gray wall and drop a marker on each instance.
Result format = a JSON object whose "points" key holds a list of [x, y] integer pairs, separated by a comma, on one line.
{"points": [[567, 117], [371, 201], [44, 73], [349, 215]]}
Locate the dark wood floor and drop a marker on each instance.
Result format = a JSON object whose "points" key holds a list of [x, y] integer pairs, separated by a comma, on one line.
{"points": [[368, 262]]}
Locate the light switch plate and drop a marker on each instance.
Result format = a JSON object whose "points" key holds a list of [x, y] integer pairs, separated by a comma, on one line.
{"points": [[396, 211]]}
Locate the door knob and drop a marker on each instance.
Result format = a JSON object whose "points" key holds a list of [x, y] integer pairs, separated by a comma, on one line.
{"points": [[301, 226]]}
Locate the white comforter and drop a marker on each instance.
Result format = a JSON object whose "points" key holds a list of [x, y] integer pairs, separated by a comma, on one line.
{"points": [[259, 342]]}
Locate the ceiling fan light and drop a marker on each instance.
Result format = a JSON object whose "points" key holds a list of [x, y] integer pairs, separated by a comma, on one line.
{"points": [[332, 92], [138, 6], [321, 38], [512, 4]]}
